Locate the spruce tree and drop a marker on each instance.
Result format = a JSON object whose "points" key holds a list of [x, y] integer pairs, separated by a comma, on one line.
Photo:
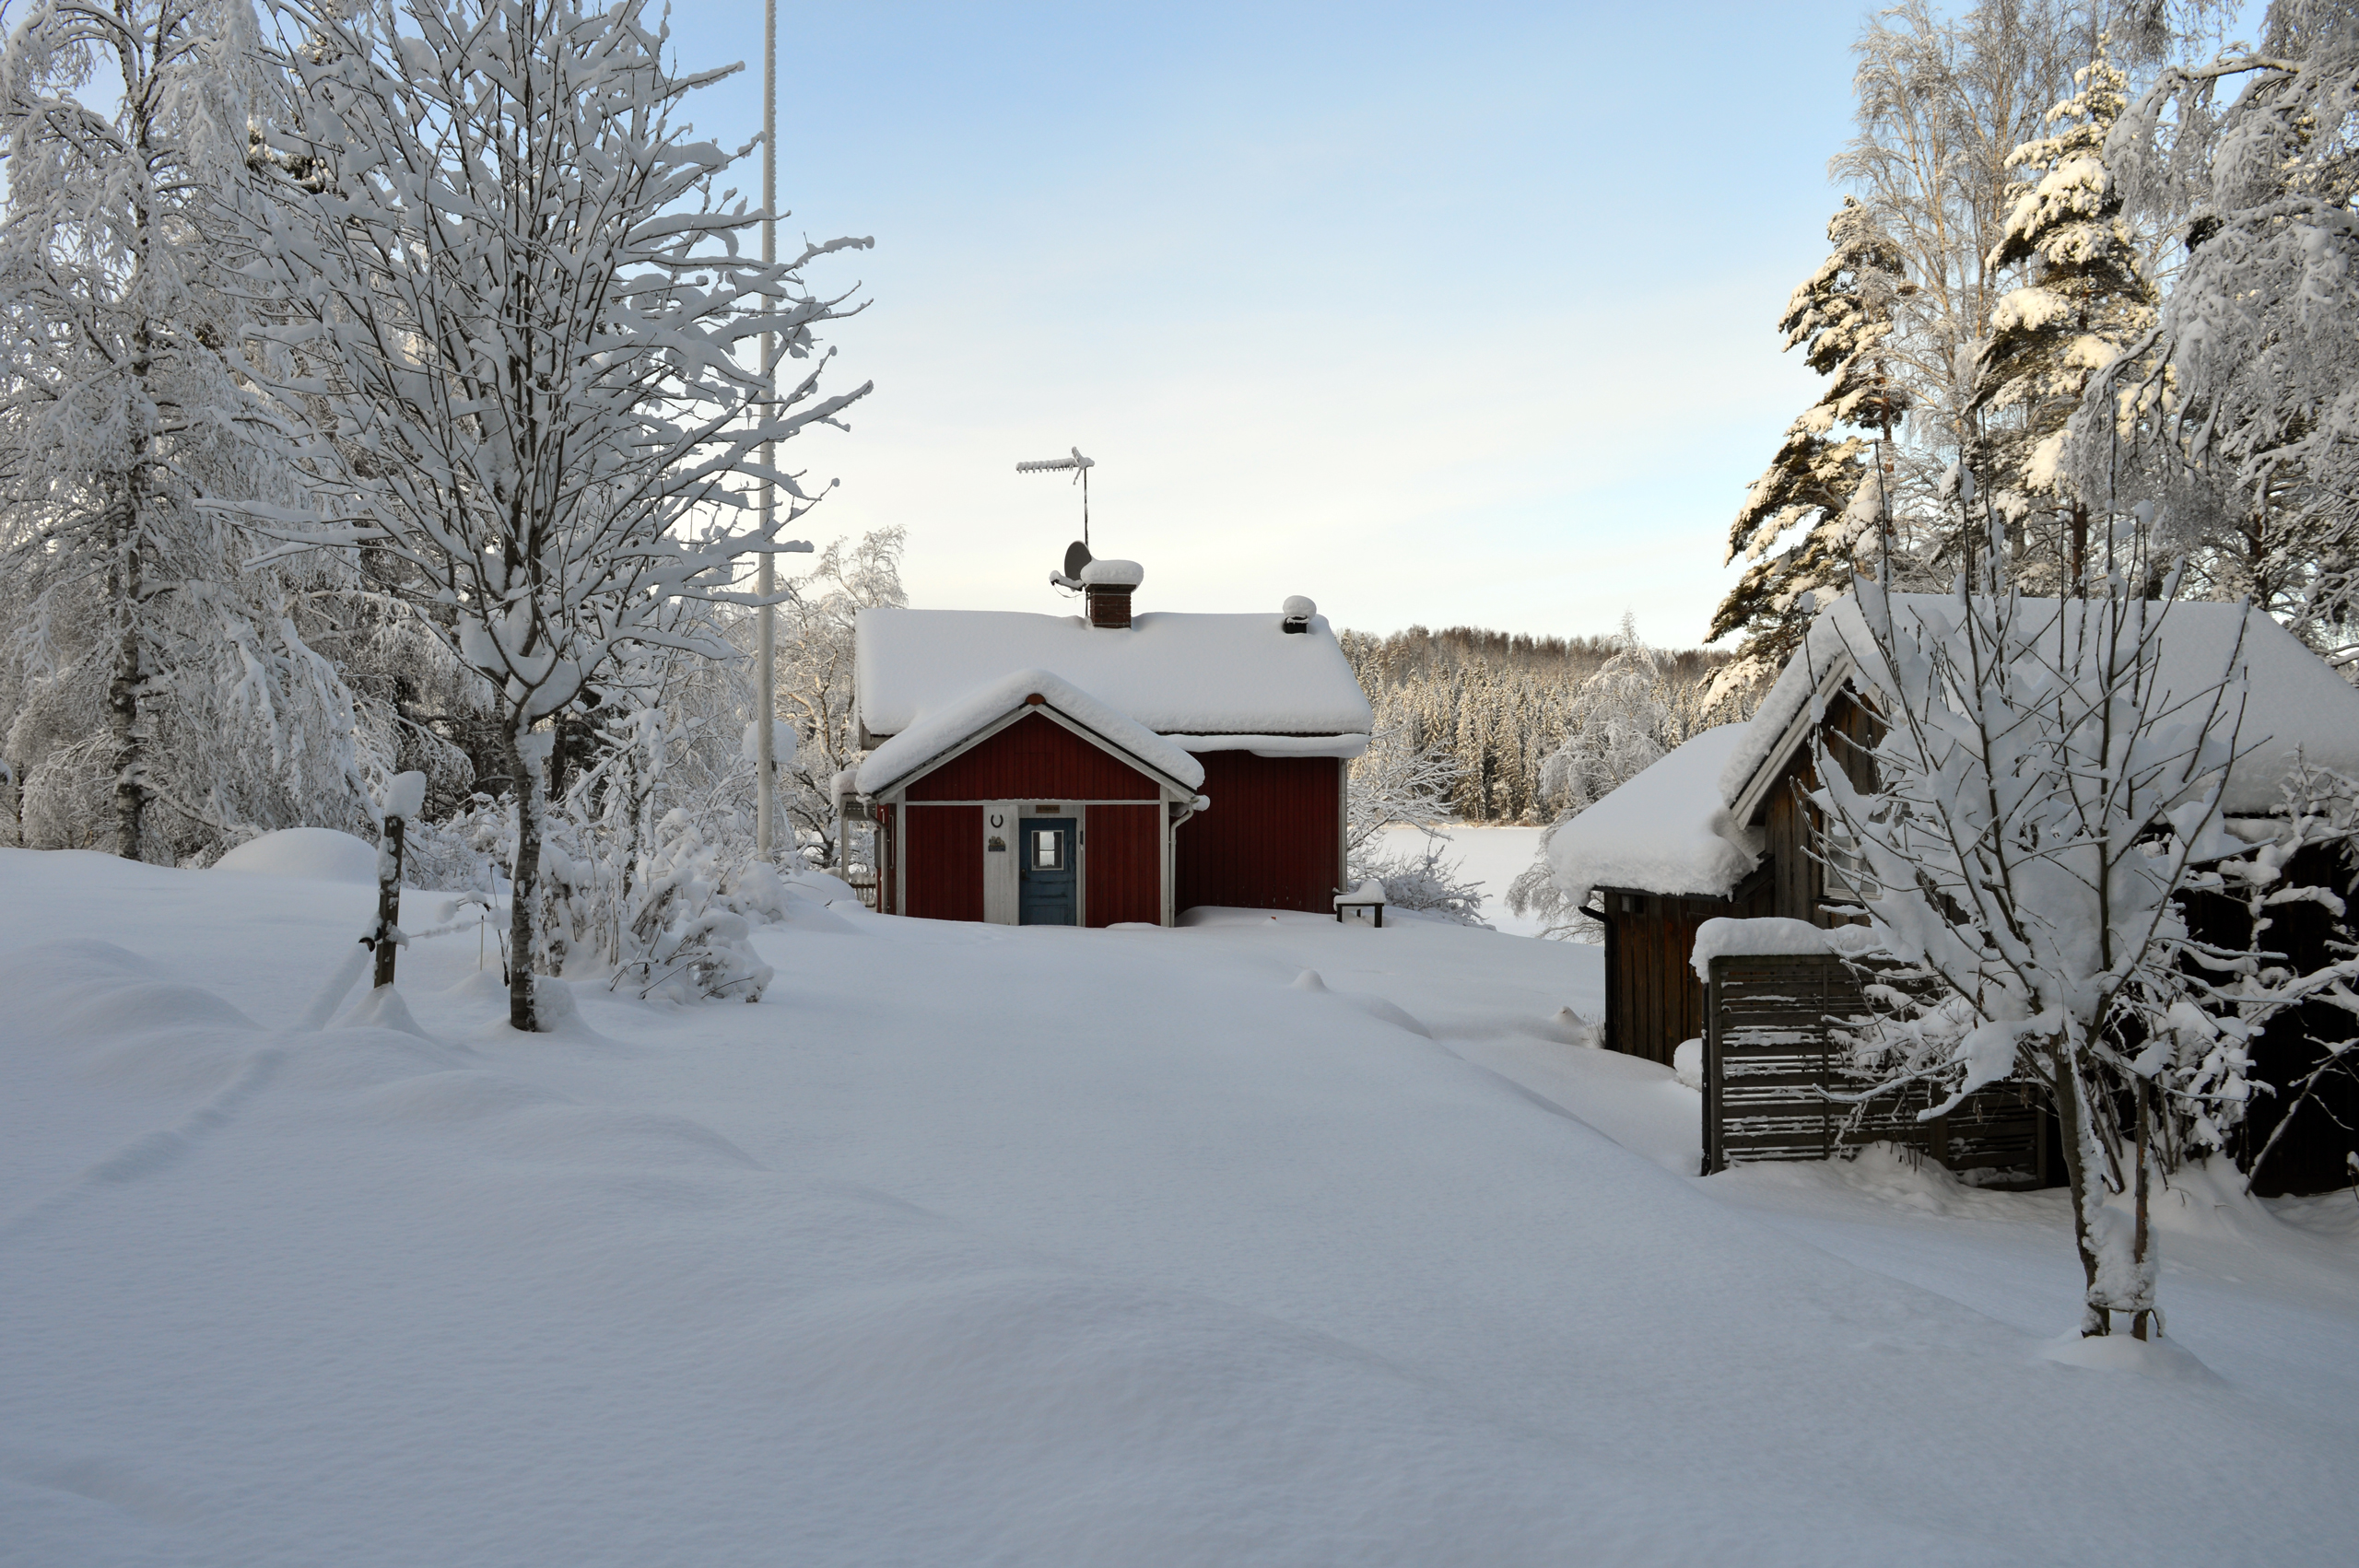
{"points": [[1817, 483], [2088, 298]]}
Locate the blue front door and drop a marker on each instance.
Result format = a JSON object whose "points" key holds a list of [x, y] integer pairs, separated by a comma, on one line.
{"points": [[1044, 871]]}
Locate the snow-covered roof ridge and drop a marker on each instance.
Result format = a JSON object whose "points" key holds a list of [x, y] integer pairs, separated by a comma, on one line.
{"points": [[2295, 702], [1666, 830], [943, 728], [1171, 671]]}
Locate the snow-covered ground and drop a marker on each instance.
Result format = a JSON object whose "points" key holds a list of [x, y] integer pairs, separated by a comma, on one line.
{"points": [[1492, 856], [974, 1244]]}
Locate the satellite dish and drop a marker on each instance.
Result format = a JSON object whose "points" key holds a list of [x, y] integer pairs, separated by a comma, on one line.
{"points": [[1078, 555]]}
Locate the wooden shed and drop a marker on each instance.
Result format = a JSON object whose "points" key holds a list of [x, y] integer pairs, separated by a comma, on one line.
{"points": [[1106, 767], [1656, 858], [1723, 826]]}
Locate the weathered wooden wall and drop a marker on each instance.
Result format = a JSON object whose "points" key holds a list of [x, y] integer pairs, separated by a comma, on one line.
{"points": [[1122, 860], [944, 871], [1034, 759], [1653, 999], [1273, 838], [1798, 881], [1770, 1062]]}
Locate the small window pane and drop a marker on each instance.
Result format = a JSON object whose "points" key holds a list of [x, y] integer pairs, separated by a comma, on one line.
{"points": [[1047, 849]]}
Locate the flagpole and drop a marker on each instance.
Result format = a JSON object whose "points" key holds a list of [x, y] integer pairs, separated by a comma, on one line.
{"points": [[766, 740]]}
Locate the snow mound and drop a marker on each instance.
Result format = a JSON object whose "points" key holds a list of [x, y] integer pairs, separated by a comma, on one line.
{"points": [[463, 1094], [2119, 1352], [320, 854], [382, 1008]]}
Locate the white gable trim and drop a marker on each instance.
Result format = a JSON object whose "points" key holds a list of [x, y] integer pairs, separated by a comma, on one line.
{"points": [[1172, 788], [1750, 800]]}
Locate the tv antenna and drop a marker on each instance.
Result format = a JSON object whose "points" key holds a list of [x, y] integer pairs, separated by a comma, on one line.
{"points": [[1079, 466]]}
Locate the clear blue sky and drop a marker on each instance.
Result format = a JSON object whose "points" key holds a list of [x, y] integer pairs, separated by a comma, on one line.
{"points": [[1447, 315]]}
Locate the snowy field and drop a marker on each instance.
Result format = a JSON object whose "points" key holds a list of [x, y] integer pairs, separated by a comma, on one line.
{"points": [[1492, 856], [973, 1244]]}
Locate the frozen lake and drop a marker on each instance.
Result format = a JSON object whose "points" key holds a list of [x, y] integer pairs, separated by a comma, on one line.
{"points": [[1494, 855]]}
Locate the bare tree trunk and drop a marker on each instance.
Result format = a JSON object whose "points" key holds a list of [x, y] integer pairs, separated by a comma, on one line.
{"points": [[2140, 1319], [2080, 549], [2072, 1111], [125, 591], [524, 761], [389, 900]]}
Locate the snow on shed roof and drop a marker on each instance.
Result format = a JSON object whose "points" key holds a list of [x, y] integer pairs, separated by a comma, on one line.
{"points": [[942, 729], [2294, 701], [1666, 830], [1174, 673]]}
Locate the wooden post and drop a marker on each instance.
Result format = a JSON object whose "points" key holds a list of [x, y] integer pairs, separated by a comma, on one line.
{"points": [[404, 797], [389, 899]]}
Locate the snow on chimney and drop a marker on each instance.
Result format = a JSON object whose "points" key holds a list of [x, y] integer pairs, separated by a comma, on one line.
{"points": [[1107, 585], [1293, 615]]}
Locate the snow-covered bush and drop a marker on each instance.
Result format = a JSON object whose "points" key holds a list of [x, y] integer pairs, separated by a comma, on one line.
{"points": [[1397, 782], [685, 936]]}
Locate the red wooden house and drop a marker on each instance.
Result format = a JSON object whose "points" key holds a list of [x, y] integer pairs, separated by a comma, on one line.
{"points": [[1104, 769]]}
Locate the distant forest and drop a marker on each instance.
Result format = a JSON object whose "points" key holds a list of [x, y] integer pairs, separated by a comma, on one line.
{"points": [[1498, 704]]}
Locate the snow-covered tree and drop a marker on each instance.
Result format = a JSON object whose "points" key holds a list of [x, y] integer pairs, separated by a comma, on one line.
{"points": [[1945, 96], [2253, 370], [2040, 803], [146, 658], [528, 320], [2086, 297], [1630, 715], [1803, 521], [1398, 783], [815, 661]]}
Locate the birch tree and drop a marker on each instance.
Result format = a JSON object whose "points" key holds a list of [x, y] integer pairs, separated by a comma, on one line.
{"points": [[146, 656], [525, 309], [2252, 376]]}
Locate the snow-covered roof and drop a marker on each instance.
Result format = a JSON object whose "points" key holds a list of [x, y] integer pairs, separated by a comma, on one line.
{"points": [[1667, 830], [1175, 674], [941, 730], [2294, 701]]}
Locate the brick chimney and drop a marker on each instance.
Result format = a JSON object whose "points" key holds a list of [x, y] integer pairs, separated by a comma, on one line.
{"points": [[1107, 585]]}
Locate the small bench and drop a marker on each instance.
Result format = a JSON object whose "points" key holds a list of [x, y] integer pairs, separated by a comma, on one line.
{"points": [[1364, 904]]}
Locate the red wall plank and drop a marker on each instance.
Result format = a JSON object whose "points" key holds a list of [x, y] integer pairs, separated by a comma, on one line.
{"points": [[1270, 841], [1125, 864], [1034, 758], [945, 865]]}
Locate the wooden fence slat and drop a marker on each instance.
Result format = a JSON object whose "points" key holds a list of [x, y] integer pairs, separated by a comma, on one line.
{"points": [[1771, 1064]]}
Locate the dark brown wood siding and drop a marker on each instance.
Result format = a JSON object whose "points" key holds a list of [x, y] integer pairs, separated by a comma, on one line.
{"points": [[946, 861], [1271, 840], [1653, 999], [1789, 823], [1035, 758], [1125, 861]]}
